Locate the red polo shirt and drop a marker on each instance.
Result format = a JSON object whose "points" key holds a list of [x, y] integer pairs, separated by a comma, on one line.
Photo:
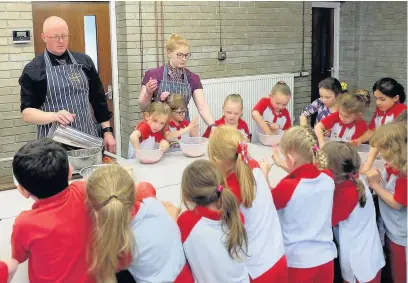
{"points": [[242, 125], [54, 237], [3, 272], [146, 132], [381, 118]]}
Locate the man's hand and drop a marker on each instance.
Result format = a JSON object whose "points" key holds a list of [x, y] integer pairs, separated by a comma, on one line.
{"points": [[64, 117], [109, 142]]}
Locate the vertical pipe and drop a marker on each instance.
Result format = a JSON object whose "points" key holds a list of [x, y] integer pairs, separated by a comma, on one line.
{"points": [[156, 29], [162, 31]]}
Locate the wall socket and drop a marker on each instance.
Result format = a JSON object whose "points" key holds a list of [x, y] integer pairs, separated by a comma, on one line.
{"points": [[222, 55]]}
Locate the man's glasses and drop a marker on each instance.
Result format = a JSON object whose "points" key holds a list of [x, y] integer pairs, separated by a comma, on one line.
{"points": [[182, 55], [58, 37]]}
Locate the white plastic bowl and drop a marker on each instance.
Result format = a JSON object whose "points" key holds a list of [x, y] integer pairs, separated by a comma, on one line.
{"points": [[270, 140], [193, 146], [148, 156]]}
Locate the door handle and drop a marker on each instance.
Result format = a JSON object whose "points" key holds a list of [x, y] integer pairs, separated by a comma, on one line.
{"points": [[109, 93]]}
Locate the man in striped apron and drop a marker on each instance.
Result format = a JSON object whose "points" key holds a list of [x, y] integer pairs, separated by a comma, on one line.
{"points": [[59, 86]]}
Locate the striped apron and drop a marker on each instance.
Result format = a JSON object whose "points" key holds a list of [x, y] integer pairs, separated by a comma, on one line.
{"points": [[67, 89], [183, 88]]}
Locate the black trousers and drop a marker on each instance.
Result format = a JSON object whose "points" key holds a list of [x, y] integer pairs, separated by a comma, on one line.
{"points": [[124, 276]]}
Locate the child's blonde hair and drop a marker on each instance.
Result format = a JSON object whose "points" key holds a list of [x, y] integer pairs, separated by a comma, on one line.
{"points": [[203, 184], [344, 162], [353, 103], [223, 146], [158, 108], [176, 101], [302, 140], [365, 94], [175, 41], [391, 141], [110, 194], [281, 87], [234, 97]]}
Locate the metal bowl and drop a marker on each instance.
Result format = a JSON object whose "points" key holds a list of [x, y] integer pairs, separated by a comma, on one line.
{"points": [[87, 171], [82, 158]]}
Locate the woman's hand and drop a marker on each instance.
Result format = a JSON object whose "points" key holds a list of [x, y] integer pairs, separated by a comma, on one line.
{"points": [[151, 86]]}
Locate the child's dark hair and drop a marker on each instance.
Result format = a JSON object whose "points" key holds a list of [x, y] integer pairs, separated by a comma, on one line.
{"points": [[332, 84], [42, 167], [202, 184], [344, 161], [391, 88]]}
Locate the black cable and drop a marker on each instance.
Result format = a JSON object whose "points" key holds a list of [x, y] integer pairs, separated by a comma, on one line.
{"points": [[303, 35], [219, 10], [141, 39]]}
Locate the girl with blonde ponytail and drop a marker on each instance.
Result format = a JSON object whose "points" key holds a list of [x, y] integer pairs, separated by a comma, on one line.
{"points": [[214, 238], [391, 142], [229, 151], [304, 200], [354, 213], [132, 230]]}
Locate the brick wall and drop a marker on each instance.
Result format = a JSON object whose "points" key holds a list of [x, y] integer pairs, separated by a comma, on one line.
{"points": [[259, 37], [13, 130], [373, 42]]}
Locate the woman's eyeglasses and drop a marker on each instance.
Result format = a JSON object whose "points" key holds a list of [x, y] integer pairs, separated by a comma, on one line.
{"points": [[182, 55]]}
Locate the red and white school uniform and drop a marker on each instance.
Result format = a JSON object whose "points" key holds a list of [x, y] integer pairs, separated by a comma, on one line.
{"points": [[3, 272], [381, 118], [147, 140], [341, 131], [54, 236], [242, 127], [304, 200], [174, 127], [395, 222], [265, 108], [203, 237], [267, 261], [361, 253], [159, 254]]}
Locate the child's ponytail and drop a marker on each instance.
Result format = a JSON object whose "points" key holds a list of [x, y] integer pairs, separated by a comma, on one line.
{"points": [[237, 238], [227, 145], [203, 184], [361, 192], [110, 193]]}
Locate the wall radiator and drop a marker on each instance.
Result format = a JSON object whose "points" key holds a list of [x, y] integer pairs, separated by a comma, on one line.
{"points": [[251, 89]]}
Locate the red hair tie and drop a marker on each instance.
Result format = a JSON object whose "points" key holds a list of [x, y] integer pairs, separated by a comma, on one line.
{"points": [[242, 148], [353, 176], [316, 148]]}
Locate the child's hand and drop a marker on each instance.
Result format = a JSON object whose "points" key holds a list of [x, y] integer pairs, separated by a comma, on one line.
{"points": [[193, 125], [276, 157], [327, 133], [373, 177], [171, 209], [365, 168], [273, 126], [265, 167], [356, 142], [164, 145]]}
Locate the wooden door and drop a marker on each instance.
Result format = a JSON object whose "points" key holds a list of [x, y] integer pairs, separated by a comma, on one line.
{"points": [[322, 48], [74, 14]]}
